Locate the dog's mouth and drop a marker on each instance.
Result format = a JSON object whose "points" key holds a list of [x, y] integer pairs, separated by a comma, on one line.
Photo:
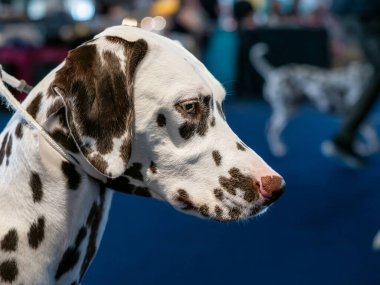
{"points": [[227, 210]]}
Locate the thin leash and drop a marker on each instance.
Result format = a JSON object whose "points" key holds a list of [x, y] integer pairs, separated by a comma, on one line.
{"points": [[22, 86]]}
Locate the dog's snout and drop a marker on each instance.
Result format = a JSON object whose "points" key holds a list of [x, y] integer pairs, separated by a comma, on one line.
{"points": [[271, 187]]}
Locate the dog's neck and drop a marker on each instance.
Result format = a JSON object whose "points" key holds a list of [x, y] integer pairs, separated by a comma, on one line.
{"points": [[57, 211]]}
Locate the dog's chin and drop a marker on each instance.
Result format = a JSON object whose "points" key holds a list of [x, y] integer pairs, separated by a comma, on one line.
{"points": [[221, 213]]}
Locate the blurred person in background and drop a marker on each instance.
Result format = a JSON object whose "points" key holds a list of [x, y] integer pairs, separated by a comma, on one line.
{"points": [[243, 12], [192, 25], [361, 20], [211, 10]]}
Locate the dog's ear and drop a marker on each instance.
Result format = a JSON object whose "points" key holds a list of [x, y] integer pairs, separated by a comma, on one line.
{"points": [[96, 84]]}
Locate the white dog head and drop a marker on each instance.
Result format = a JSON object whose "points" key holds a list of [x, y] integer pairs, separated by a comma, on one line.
{"points": [[147, 114]]}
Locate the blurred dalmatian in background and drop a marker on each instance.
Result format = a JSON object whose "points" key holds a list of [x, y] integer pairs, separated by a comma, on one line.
{"points": [[331, 91]]}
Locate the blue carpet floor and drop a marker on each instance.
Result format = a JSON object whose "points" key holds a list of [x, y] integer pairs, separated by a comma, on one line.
{"points": [[319, 232]]}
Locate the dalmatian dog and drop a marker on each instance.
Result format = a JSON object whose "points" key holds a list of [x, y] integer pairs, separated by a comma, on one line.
{"points": [[333, 91], [139, 114]]}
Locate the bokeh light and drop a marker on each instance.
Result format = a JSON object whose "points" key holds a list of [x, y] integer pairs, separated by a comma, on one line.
{"points": [[36, 9], [147, 23], [81, 10], [158, 23]]}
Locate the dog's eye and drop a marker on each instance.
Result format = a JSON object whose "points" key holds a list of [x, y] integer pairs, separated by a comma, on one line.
{"points": [[189, 106]]}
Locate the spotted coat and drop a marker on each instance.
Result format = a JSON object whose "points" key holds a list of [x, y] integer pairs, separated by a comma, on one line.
{"points": [[138, 114]]}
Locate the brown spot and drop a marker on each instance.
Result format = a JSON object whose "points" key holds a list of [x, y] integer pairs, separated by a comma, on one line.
{"points": [[219, 212], [227, 185], [135, 171], [54, 108], [36, 233], [122, 184], [205, 112], [9, 149], [219, 194], [8, 271], [71, 255], [187, 130], [19, 130], [61, 114], [34, 106], [99, 163], [252, 195], [3, 147], [161, 120], [117, 40], [184, 198], [217, 157], [36, 186], [204, 210], [72, 175], [213, 121], [220, 110], [93, 221], [65, 140], [234, 213], [10, 240], [240, 146], [245, 183], [153, 167], [95, 95]]}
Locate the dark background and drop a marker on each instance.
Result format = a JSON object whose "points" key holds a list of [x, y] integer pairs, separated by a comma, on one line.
{"points": [[286, 45]]}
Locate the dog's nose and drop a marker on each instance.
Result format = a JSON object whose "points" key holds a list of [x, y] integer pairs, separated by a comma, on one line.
{"points": [[271, 188]]}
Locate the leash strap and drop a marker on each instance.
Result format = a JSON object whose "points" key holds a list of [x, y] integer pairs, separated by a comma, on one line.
{"points": [[21, 85]]}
